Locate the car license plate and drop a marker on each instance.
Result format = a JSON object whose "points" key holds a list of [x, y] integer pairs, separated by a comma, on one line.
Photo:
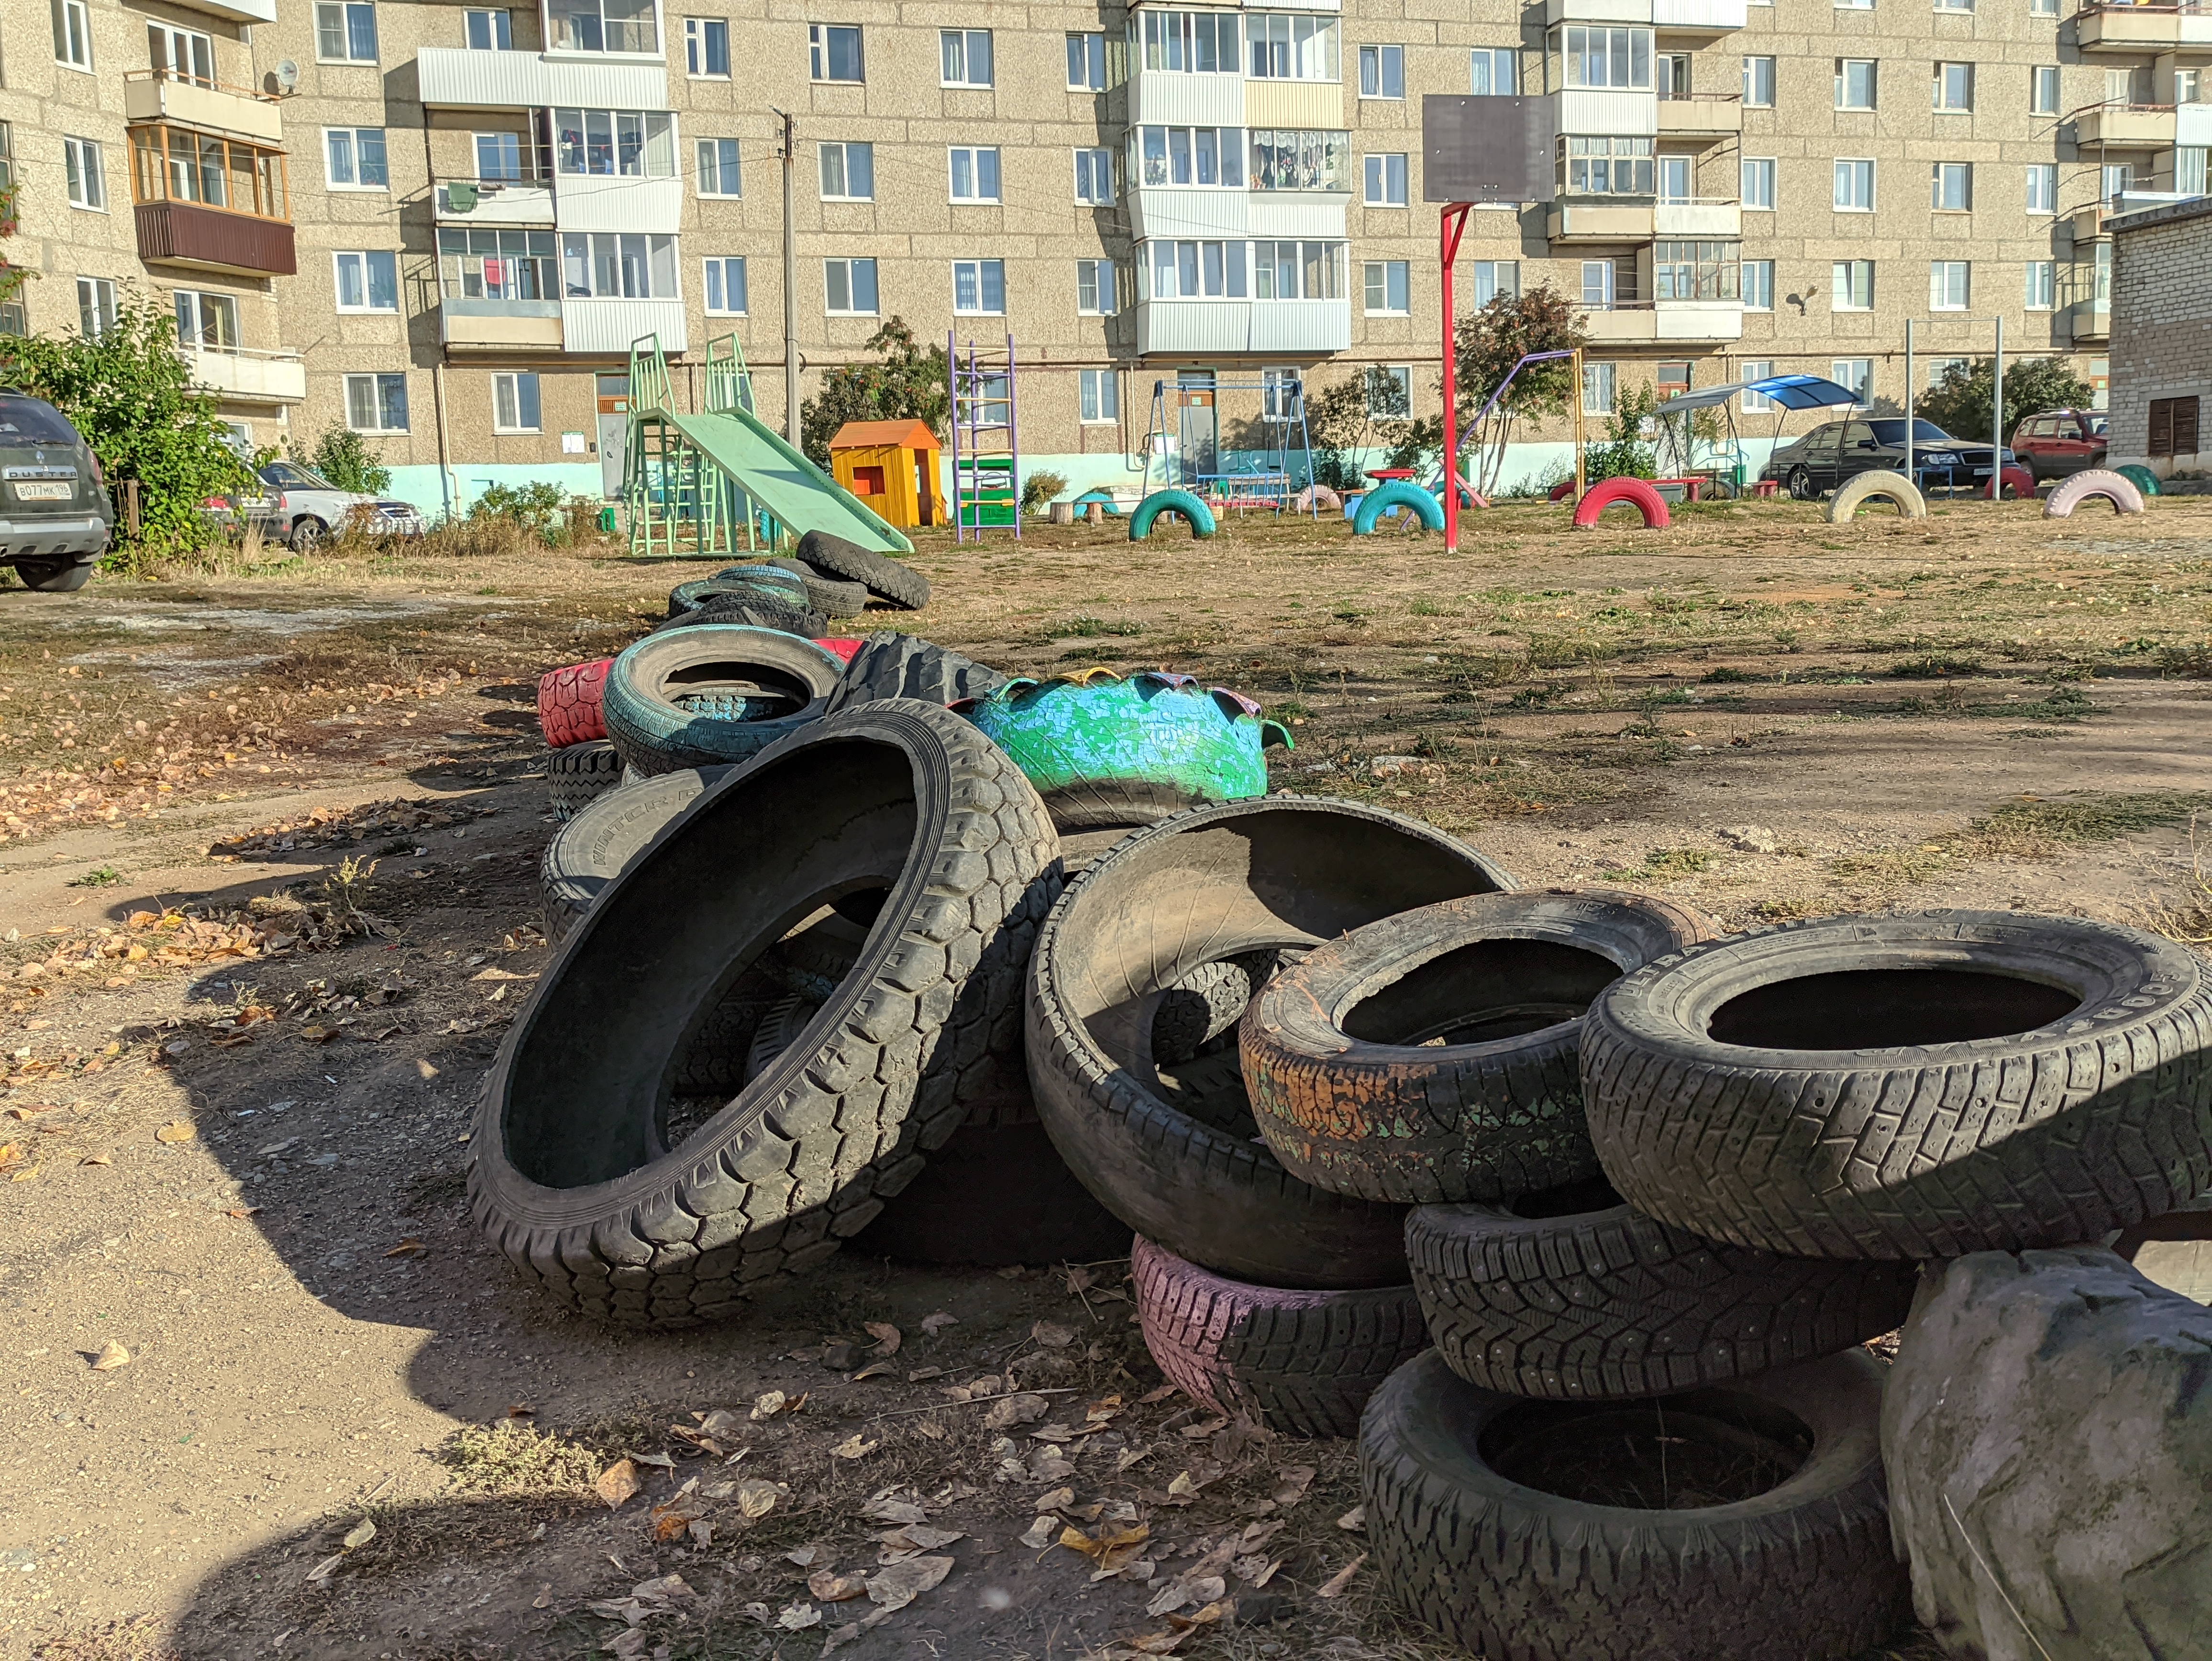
{"points": [[34, 489]]}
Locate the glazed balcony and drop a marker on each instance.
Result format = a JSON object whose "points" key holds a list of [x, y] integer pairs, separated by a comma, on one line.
{"points": [[1594, 219], [210, 202], [496, 325]]}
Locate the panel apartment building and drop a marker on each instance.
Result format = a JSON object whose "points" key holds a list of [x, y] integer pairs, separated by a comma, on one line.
{"points": [[443, 223]]}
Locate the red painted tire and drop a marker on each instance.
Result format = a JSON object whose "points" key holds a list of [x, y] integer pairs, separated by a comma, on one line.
{"points": [[840, 648], [569, 704], [1300, 1362], [1634, 491], [2018, 480], [2072, 491], [1562, 490]]}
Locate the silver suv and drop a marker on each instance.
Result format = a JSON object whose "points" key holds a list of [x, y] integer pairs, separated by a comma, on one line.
{"points": [[55, 516]]}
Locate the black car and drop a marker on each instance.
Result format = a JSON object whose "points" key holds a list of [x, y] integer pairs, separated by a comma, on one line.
{"points": [[1837, 450], [55, 516]]}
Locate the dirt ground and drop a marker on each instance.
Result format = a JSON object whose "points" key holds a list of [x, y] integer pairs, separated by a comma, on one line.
{"points": [[269, 895]]}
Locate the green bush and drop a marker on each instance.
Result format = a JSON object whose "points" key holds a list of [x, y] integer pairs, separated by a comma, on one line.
{"points": [[342, 456], [1624, 455], [543, 509], [1039, 488]]}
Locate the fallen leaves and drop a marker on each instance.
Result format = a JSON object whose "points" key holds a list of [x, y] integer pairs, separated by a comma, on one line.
{"points": [[1111, 1549], [828, 1587], [886, 1336], [1024, 1408], [1052, 1335], [894, 1588], [177, 1130], [111, 1355], [617, 1483], [1353, 1521], [933, 1325], [770, 1402], [756, 1497], [1334, 1585], [855, 1446], [411, 1246]]}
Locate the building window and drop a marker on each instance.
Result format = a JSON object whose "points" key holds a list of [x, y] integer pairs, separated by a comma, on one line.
{"points": [[707, 48], [1497, 72], [848, 171], [1194, 43], [2187, 86], [6, 153], [1606, 167], [1951, 187], [209, 321], [1299, 159], [1675, 178], [1856, 84], [718, 172], [849, 287], [1383, 72], [1389, 390], [2043, 187], [514, 401], [1619, 59], [2043, 8], [1948, 286], [1758, 83], [1294, 270], [726, 287], [2174, 426], [1199, 155], [1954, 87], [2114, 180], [1094, 177], [1095, 293], [354, 158], [833, 52], [488, 31], [1601, 285], [1757, 182], [2043, 89], [180, 54], [1385, 181], [618, 265], [1200, 270], [1759, 285], [979, 287], [1856, 374], [1851, 282], [1098, 396], [1284, 47], [1493, 278], [88, 174], [2189, 169], [1939, 370], [498, 265], [376, 402], [1854, 186], [637, 144], [95, 306], [1087, 63], [1696, 270], [1756, 369], [1386, 282], [178, 164], [73, 33], [974, 173], [1281, 392], [964, 58], [367, 281], [2042, 287], [345, 32], [1598, 387], [1955, 5], [624, 25], [498, 156]]}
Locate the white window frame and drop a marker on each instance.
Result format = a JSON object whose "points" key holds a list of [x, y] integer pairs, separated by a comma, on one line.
{"points": [[1752, 77], [707, 155], [1940, 274], [1094, 176], [586, 253], [1601, 387], [849, 265], [1872, 179], [1097, 397], [2043, 89], [975, 153], [1399, 376], [352, 137], [368, 260], [1755, 182], [1844, 66], [1955, 5], [504, 146], [1086, 61], [85, 168], [979, 268], [194, 308], [699, 36], [511, 382], [1373, 273], [2039, 285], [499, 28], [72, 21], [2041, 188], [346, 14], [1855, 375], [1484, 62], [1382, 176], [377, 386], [1842, 278], [1484, 285], [715, 273], [1764, 286], [1939, 87], [1291, 46], [168, 43], [2043, 8], [1601, 284], [1755, 368], [956, 51], [1098, 277], [1388, 65], [95, 306], [846, 149], [820, 40], [1940, 177]]}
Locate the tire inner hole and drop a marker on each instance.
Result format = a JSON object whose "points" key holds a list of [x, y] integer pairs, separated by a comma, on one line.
{"points": [[1881, 1008], [1567, 1200], [1193, 1039], [1686, 1452], [736, 692], [1482, 991]]}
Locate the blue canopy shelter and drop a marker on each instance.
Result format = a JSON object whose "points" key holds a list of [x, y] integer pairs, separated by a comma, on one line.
{"points": [[1785, 392]]}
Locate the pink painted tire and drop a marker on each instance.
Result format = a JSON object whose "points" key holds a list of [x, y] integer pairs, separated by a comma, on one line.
{"points": [[2017, 480], [1561, 491], [840, 647], [2118, 490], [568, 702], [1317, 498], [1303, 1363], [1634, 491]]}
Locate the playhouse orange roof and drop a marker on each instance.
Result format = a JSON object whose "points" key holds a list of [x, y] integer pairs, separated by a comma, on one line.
{"points": [[909, 435]]}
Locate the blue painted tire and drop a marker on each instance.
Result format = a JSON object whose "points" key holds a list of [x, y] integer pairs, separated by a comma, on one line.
{"points": [[2141, 477], [713, 693], [1397, 493], [1179, 502]]}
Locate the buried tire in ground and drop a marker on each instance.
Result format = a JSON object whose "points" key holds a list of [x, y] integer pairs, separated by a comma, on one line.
{"points": [[1301, 1362], [1742, 1522], [1168, 1144], [710, 693], [1569, 1294], [1431, 1056], [630, 1202], [1911, 1086]]}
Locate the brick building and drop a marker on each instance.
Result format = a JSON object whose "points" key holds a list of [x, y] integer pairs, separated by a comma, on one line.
{"points": [[2162, 342]]}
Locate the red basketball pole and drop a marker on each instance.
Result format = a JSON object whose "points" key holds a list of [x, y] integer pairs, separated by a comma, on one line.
{"points": [[1449, 227]]}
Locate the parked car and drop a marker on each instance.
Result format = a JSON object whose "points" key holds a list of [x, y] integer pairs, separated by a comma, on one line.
{"points": [[55, 516], [1838, 450], [2060, 441], [302, 507]]}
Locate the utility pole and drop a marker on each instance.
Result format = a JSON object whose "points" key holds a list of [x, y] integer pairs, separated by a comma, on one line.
{"points": [[1996, 436], [1911, 412], [790, 288]]}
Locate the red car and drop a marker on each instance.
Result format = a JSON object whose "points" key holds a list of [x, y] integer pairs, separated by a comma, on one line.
{"points": [[2060, 441]]}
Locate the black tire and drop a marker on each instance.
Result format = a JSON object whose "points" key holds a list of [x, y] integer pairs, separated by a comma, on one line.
{"points": [[757, 611], [1080, 849], [1572, 1296], [711, 695], [1183, 1166], [1303, 1363], [829, 595], [1800, 484], [1431, 1056], [886, 579], [605, 838], [1912, 1086], [768, 583], [781, 1025], [810, 961], [895, 666], [578, 775], [1803, 1572], [54, 576], [995, 1194], [583, 1178], [308, 533]]}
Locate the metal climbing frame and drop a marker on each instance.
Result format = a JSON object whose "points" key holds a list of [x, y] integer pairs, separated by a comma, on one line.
{"points": [[680, 504], [987, 481], [1270, 479]]}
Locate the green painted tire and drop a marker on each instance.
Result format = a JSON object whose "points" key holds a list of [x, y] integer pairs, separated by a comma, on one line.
{"points": [[710, 693], [1177, 502], [2141, 477], [1397, 493]]}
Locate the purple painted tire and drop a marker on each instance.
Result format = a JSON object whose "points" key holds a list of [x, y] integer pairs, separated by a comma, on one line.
{"points": [[2115, 488], [1300, 1362]]}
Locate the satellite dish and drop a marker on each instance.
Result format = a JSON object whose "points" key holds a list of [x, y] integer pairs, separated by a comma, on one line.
{"points": [[288, 76]]}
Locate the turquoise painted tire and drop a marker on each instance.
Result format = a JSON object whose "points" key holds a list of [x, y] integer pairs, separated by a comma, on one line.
{"points": [[2139, 476], [1397, 493], [713, 693], [1176, 501]]}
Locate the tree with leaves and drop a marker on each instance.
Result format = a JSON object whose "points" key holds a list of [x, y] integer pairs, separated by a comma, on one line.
{"points": [[1625, 453], [342, 456], [1346, 419], [1963, 401], [908, 384], [1489, 343]]}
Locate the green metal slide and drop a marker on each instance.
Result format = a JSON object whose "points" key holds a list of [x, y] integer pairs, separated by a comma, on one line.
{"points": [[695, 478]]}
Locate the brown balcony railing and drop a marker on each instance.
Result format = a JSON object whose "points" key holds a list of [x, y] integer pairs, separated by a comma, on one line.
{"points": [[185, 233]]}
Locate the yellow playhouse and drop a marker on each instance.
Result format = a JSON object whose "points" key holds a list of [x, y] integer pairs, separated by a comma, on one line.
{"points": [[892, 466]]}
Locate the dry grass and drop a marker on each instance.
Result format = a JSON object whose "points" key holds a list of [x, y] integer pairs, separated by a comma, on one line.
{"points": [[516, 1458]]}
